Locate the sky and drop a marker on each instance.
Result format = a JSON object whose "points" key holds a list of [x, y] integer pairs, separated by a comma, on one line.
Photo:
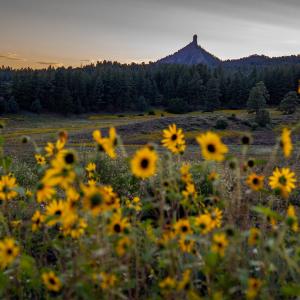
{"points": [[39, 33]]}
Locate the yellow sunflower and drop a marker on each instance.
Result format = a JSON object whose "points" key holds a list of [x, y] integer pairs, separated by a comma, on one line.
{"points": [[51, 281], [216, 217], [204, 223], [44, 192], [255, 182], [37, 220], [123, 245], [292, 219], [67, 158], [253, 289], [93, 199], [283, 180], [186, 245], [254, 236], [40, 159], [219, 243], [118, 224], [182, 227], [7, 188], [212, 146], [55, 212], [143, 163], [107, 144], [8, 252], [173, 139], [286, 142]]}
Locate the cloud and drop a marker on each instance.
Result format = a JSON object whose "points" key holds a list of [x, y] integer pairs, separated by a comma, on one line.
{"points": [[49, 63], [12, 56], [87, 61]]}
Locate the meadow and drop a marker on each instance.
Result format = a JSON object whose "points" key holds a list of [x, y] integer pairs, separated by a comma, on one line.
{"points": [[154, 206]]}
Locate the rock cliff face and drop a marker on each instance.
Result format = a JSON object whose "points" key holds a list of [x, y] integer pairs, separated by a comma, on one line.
{"points": [[191, 54]]}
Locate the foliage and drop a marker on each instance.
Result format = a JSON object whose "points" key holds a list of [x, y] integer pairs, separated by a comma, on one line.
{"points": [[149, 226], [262, 117], [258, 97], [221, 123], [289, 103], [113, 87]]}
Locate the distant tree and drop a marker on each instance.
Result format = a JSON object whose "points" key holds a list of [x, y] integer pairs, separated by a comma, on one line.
{"points": [[12, 106], [178, 106], [289, 103], [36, 106], [258, 97], [3, 106], [142, 104], [213, 94]]}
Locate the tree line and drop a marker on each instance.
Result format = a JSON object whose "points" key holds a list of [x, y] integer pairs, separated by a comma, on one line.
{"points": [[114, 87]]}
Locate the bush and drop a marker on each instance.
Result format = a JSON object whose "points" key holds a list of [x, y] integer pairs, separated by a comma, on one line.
{"points": [[289, 103], [151, 113], [262, 118], [221, 123], [178, 106]]}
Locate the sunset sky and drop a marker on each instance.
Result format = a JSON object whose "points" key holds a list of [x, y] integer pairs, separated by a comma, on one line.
{"points": [[37, 33]]}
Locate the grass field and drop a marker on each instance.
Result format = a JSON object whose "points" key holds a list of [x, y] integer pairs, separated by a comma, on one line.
{"points": [[127, 217]]}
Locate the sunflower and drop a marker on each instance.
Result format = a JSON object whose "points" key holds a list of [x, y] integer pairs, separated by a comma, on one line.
{"points": [[254, 236], [123, 245], [190, 190], [168, 284], [255, 182], [186, 176], [40, 159], [204, 223], [37, 220], [286, 142], [173, 139], [185, 282], [105, 280], [60, 174], [107, 144], [219, 243], [186, 245], [283, 180], [118, 224], [212, 146], [7, 188], [8, 252], [90, 169], [67, 158], [51, 281], [73, 225], [254, 286], [143, 163], [182, 227], [93, 199], [216, 217], [55, 212], [52, 150], [292, 219], [44, 192]]}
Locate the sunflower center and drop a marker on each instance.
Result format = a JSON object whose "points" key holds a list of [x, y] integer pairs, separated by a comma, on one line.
{"points": [[211, 148], [202, 226], [9, 251], [220, 245], [282, 180], [52, 281], [117, 228], [174, 137], [255, 181], [69, 158], [96, 200], [245, 140], [144, 163], [184, 228], [58, 212]]}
